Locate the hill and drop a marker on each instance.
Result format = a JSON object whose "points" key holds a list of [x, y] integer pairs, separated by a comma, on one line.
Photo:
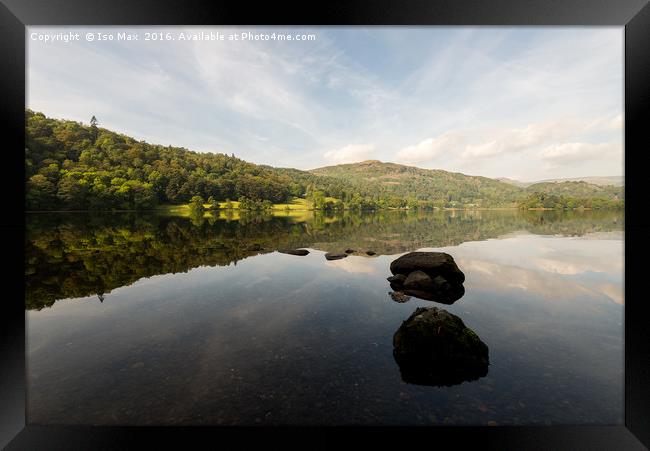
{"points": [[443, 188], [512, 182], [577, 189], [72, 166], [613, 180]]}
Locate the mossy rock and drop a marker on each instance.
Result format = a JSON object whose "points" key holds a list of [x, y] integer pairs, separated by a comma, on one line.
{"points": [[434, 347]]}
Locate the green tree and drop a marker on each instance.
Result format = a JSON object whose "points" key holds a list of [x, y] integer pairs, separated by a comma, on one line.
{"points": [[94, 131], [196, 204], [214, 203], [41, 193]]}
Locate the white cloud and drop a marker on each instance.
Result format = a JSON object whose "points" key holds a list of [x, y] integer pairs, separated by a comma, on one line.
{"points": [[537, 134], [573, 152], [473, 144], [518, 139], [431, 148], [351, 153], [473, 100]]}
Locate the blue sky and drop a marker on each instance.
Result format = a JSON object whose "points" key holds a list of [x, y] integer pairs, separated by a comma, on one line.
{"points": [[526, 103]]}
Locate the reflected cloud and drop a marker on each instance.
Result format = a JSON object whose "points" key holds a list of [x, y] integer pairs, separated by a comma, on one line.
{"points": [[541, 284], [613, 291], [353, 265]]}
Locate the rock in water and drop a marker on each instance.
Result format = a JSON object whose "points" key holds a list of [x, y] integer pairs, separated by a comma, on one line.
{"points": [[335, 256], [397, 278], [301, 252], [432, 263], [370, 252], [445, 296], [400, 297], [419, 280], [350, 251], [434, 347], [421, 285]]}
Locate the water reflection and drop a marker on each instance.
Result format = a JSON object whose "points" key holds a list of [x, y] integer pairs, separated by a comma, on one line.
{"points": [[242, 334], [79, 255], [434, 347]]}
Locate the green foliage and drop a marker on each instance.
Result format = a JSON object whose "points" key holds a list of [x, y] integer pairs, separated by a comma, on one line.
{"points": [[70, 166], [390, 185], [214, 203], [70, 256], [254, 205], [93, 168], [559, 202], [196, 204]]}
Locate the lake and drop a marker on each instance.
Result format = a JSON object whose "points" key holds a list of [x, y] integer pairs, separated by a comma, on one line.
{"points": [[138, 319]]}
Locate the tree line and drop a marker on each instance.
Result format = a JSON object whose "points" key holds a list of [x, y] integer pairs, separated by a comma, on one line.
{"points": [[72, 166]]}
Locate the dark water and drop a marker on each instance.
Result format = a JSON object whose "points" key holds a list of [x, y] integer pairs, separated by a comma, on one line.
{"points": [[143, 319]]}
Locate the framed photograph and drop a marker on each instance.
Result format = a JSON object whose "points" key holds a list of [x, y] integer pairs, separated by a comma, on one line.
{"points": [[246, 222]]}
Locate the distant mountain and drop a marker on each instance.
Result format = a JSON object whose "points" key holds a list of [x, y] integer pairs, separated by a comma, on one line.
{"points": [[577, 189], [614, 180], [512, 182], [409, 182]]}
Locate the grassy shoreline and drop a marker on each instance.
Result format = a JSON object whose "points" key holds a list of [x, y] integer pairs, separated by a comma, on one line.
{"points": [[296, 206]]}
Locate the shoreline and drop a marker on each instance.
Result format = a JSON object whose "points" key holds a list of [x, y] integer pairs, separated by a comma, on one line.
{"points": [[176, 208]]}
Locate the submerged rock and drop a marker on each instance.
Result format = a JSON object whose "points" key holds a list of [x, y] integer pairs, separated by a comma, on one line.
{"points": [[432, 263], [448, 296], [335, 256], [300, 252], [371, 253], [434, 347], [397, 279], [418, 280], [349, 251], [400, 297]]}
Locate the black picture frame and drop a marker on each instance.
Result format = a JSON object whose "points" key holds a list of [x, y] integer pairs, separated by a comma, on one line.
{"points": [[634, 15]]}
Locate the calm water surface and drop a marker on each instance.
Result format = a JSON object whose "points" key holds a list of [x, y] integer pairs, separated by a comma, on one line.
{"points": [[145, 319]]}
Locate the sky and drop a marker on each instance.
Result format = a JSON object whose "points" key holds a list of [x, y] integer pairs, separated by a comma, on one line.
{"points": [[527, 103]]}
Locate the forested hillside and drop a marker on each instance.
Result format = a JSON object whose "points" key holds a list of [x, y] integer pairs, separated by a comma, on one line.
{"points": [[71, 166], [76, 167], [402, 184], [577, 189]]}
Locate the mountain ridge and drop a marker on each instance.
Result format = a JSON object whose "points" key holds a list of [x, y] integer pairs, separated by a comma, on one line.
{"points": [[72, 166]]}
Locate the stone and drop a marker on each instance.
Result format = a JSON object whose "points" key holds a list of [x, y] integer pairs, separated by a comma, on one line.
{"points": [[435, 347], [418, 280], [335, 256], [400, 297], [447, 295], [300, 252], [371, 253], [397, 279], [432, 263]]}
